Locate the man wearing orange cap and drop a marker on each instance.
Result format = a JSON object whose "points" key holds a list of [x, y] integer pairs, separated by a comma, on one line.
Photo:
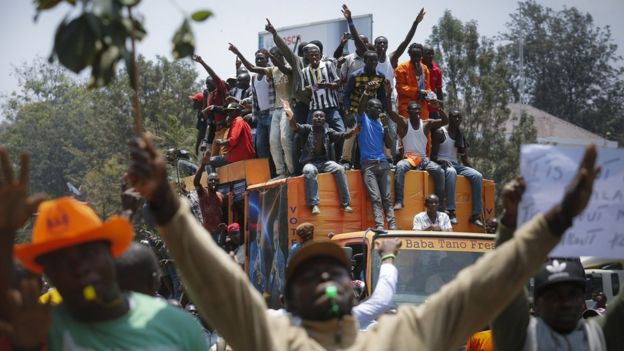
{"points": [[76, 250], [318, 283]]}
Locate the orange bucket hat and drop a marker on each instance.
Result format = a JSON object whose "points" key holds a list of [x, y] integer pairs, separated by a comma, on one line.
{"points": [[66, 222]]}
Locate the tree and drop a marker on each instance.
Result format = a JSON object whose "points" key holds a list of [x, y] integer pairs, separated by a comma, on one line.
{"points": [[79, 135], [571, 67], [476, 77]]}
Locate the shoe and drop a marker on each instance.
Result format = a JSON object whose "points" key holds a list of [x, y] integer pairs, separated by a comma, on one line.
{"points": [[347, 208], [346, 164], [476, 221], [393, 227], [398, 206], [379, 229], [452, 217], [316, 210]]}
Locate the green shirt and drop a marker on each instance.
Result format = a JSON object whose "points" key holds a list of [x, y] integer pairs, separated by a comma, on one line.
{"points": [[150, 324]]}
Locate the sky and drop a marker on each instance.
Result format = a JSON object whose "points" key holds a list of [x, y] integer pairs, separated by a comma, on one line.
{"points": [[239, 21]]}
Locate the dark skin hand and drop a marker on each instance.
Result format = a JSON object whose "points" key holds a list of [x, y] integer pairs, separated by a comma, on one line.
{"points": [[16, 207], [148, 174], [512, 194], [388, 246], [30, 321], [577, 194]]}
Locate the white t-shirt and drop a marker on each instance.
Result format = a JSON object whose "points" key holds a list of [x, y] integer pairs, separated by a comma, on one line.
{"points": [[422, 221], [262, 93]]}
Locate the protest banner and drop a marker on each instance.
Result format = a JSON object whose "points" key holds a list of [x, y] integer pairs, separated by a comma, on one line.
{"points": [[599, 230]]}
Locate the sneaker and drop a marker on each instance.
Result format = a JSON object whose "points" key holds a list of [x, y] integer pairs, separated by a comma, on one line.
{"points": [[398, 206], [476, 220], [346, 164], [452, 217], [316, 210], [393, 227], [379, 229], [347, 208]]}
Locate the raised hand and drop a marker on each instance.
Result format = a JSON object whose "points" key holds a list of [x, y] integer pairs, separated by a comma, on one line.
{"points": [[233, 48], [420, 16], [197, 58], [16, 206], [511, 195], [388, 246], [371, 87], [287, 109], [269, 27], [346, 12], [579, 191]]}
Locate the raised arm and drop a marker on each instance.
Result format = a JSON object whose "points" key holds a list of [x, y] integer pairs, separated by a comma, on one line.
{"points": [[400, 121], [200, 170], [246, 63], [396, 54], [436, 123], [235, 307], [340, 49], [469, 302], [280, 64], [289, 56], [364, 99], [208, 69], [360, 47]]}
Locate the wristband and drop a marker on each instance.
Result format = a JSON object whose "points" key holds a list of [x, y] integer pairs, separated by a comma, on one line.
{"points": [[388, 256]]}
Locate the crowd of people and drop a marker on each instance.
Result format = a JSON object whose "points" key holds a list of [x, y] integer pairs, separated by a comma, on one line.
{"points": [[103, 291], [308, 113]]}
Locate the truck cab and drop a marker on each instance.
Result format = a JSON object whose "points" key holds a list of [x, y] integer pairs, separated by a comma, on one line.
{"points": [[426, 261]]}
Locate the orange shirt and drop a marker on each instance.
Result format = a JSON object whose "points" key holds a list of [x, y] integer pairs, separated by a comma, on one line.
{"points": [[481, 341], [408, 87]]}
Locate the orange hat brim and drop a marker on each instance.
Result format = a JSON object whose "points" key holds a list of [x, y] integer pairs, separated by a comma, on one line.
{"points": [[116, 229]]}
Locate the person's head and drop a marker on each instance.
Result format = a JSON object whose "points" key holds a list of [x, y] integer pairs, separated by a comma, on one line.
{"points": [[197, 101], [370, 61], [455, 118], [276, 55], [301, 51], [313, 55], [213, 182], [319, 45], [232, 110], [381, 45], [415, 52], [305, 232], [364, 39], [262, 58], [210, 85], [374, 108], [231, 83], [428, 54], [76, 250], [318, 118], [413, 109], [138, 270], [242, 80], [431, 204], [234, 233], [559, 293], [318, 282]]}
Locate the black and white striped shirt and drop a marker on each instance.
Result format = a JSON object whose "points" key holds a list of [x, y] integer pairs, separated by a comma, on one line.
{"points": [[321, 98]]}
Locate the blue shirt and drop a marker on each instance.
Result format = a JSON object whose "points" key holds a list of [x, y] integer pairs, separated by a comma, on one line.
{"points": [[371, 138]]}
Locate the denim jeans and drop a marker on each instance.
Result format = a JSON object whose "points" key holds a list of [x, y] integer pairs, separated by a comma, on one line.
{"points": [[376, 177], [263, 129], [310, 174], [281, 143], [335, 122], [431, 167], [475, 179]]}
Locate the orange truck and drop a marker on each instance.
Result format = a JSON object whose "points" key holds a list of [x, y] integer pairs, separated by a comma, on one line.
{"points": [[272, 209]]}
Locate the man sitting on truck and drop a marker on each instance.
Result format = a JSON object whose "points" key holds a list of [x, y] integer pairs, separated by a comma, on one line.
{"points": [[316, 157], [431, 218]]}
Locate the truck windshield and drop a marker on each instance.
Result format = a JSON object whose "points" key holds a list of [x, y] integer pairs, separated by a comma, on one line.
{"points": [[422, 272]]}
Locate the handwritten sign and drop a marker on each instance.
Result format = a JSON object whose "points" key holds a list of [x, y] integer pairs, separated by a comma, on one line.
{"points": [[599, 230]]}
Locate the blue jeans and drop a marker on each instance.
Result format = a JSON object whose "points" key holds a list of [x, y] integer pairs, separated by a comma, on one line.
{"points": [[475, 179], [335, 122], [376, 177], [431, 167], [310, 174], [263, 132]]}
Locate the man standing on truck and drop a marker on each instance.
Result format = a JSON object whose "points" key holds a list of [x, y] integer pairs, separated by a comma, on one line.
{"points": [[316, 157], [210, 199], [319, 290], [431, 218]]}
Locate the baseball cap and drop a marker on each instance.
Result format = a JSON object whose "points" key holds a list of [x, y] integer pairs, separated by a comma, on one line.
{"points": [[199, 97], [313, 249], [67, 222], [234, 227], [559, 270]]}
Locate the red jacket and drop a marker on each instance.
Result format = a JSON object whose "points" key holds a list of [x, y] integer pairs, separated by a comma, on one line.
{"points": [[240, 143]]}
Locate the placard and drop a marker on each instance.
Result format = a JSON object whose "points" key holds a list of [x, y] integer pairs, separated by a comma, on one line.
{"points": [[599, 230]]}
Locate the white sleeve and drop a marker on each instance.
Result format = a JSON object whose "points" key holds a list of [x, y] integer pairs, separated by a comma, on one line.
{"points": [[417, 223], [381, 299], [445, 223]]}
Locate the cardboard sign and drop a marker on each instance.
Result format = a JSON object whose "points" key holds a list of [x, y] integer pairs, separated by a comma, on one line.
{"points": [[599, 230]]}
